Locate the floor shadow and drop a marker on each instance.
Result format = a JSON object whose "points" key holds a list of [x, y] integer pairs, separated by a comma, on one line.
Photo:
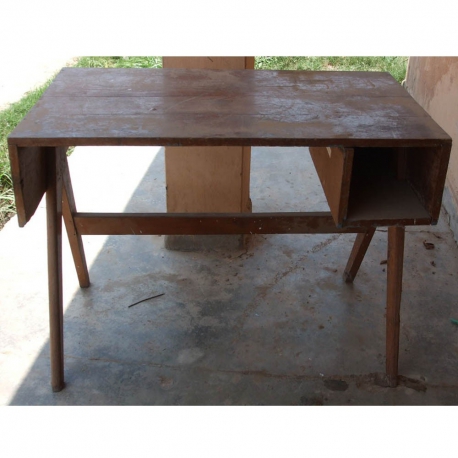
{"points": [[272, 325]]}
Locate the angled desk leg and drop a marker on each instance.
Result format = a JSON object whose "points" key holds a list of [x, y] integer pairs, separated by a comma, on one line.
{"points": [[358, 251], [396, 237], [55, 159], [76, 242]]}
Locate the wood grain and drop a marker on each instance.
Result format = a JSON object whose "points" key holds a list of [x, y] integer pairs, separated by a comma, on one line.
{"points": [[75, 240], [385, 200], [426, 169], [395, 262], [28, 170], [193, 107], [357, 254], [333, 166], [175, 107], [208, 224], [206, 179], [54, 234]]}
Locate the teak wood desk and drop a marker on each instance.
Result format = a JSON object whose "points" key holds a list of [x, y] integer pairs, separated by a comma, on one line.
{"points": [[381, 159]]}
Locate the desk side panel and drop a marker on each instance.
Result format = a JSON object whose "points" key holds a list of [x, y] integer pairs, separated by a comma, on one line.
{"points": [[426, 172], [333, 166], [28, 170]]}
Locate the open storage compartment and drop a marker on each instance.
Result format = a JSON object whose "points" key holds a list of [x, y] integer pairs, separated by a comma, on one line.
{"points": [[382, 186]]}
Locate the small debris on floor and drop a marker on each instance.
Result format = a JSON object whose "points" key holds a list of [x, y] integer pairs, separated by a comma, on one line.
{"points": [[433, 263], [147, 299], [330, 269], [165, 382], [383, 262], [428, 245], [454, 321]]}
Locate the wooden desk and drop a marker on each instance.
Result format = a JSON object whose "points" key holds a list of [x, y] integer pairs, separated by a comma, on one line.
{"points": [[381, 159]]}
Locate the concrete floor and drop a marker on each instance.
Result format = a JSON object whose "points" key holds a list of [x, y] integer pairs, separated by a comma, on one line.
{"points": [[23, 73], [272, 325]]}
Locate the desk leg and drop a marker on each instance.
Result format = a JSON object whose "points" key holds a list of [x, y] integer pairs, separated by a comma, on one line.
{"points": [[54, 227], [76, 242], [393, 301], [357, 254]]}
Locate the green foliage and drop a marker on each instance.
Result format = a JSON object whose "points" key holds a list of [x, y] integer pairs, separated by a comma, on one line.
{"points": [[397, 66], [121, 62], [7, 206]]}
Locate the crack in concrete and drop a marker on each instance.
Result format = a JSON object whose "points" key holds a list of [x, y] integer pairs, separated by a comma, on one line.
{"points": [[362, 381]]}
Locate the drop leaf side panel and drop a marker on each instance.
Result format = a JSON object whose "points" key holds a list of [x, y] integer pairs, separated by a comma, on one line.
{"points": [[28, 170]]}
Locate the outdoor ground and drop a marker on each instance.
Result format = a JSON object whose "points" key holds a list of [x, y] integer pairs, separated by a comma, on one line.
{"points": [[21, 73], [274, 324]]}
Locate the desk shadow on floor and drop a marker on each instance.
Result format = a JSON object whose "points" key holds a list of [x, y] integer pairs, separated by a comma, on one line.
{"points": [[272, 325]]}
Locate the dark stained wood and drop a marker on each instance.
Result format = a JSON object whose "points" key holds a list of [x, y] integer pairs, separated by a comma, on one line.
{"points": [[28, 170], [249, 62], [394, 183], [230, 105], [166, 81], [54, 229], [357, 254], [401, 163], [245, 201], [207, 223], [385, 202], [396, 236], [172, 107], [192, 107], [426, 169], [333, 166], [75, 240]]}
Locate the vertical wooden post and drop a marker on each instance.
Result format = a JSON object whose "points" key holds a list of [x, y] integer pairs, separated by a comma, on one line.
{"points": [[396, 235], [207, 179], [54, 229], [360, 247]]}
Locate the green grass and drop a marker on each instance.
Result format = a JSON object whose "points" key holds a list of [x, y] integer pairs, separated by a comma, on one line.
{"points": [[120, 62], [397, 66], [10, 117]]}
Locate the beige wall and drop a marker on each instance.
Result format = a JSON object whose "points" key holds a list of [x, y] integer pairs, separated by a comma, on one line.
{"points": [[433, 83]]}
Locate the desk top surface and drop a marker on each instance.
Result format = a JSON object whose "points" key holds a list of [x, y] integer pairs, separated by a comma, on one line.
{"points": [[177, 107]]}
